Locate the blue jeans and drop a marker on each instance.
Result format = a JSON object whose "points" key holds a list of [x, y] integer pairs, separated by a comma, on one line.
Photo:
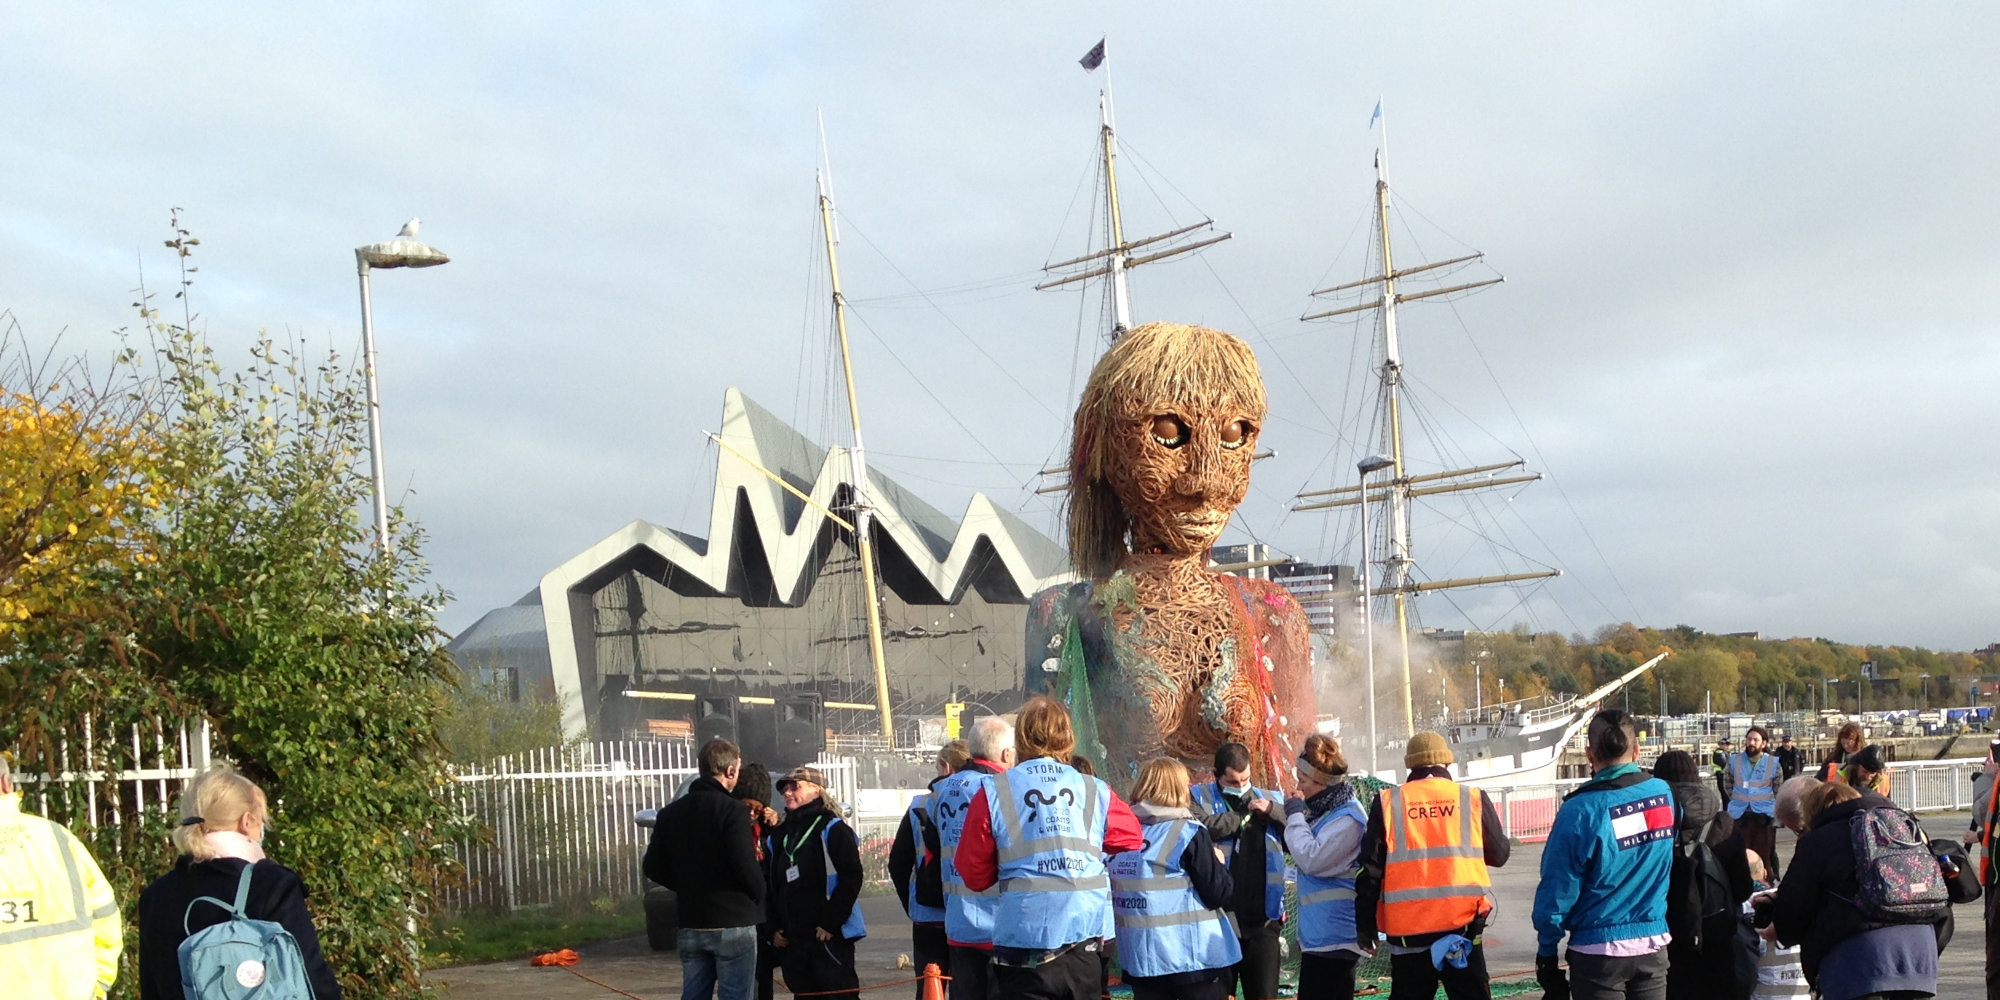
{"points": [[721, 963]]}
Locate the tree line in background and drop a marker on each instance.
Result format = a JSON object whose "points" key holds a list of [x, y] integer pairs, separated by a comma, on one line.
{"points": [[1731, 673], [182, 539]]}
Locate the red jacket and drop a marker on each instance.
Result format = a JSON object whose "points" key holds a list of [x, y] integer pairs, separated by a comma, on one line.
{"points": [[978, 858]]}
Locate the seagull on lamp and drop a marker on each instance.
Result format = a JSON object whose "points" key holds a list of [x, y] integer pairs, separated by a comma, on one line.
{"points": [[409, 230]]}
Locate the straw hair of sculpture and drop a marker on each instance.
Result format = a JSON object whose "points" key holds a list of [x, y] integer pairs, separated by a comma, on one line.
{"points": [[1159, 362]]}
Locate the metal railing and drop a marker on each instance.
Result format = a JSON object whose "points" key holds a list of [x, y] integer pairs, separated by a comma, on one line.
{"points": [[560, 824], [125, 773], [1529, 811]]}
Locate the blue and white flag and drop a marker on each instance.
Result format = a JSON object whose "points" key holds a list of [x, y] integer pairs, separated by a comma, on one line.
{"points": [[1377, 116]]}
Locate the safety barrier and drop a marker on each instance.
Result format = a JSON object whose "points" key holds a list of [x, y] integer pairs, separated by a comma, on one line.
{"points": [[560, 822], [1529, 811]]}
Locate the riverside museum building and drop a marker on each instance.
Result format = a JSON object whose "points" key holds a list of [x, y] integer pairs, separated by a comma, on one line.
{"points": [[757, 629]]}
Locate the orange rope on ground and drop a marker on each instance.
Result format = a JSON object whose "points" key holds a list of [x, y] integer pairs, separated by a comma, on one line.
{"points": [[606, 985]]}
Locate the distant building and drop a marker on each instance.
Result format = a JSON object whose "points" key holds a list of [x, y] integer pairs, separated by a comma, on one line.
{"points": [[654, 629], [1329, 594]]}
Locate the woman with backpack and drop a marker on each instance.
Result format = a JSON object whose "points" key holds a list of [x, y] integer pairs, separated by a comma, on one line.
{"points": [[1847, 953], [1702, 957], [914, 861], [221, 839]]}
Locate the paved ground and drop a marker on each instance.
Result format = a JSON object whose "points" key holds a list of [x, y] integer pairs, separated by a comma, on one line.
{"points": [[626, 964]]}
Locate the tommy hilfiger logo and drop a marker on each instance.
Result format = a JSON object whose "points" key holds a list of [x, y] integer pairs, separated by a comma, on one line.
{"points": [[1642, 821]]}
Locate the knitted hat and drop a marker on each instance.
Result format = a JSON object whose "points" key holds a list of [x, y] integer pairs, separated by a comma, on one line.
{"points": [[1427, 748], [754, 783], [1674, 765]]}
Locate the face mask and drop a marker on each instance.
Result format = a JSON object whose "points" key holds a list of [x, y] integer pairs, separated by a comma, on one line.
{"points": [[1235, 793]]}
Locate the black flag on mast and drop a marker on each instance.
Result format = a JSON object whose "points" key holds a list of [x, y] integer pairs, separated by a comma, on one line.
{"points": [[1094, 58]]}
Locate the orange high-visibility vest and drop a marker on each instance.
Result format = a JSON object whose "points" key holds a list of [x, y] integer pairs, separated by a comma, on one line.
{"points": [[1434, 876]]}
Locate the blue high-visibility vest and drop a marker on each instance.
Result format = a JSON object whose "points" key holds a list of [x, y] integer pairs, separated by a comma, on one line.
{"points": [[1048, 825], [920, 913], [1208, 797], [1163, 927], [1326, 902], [968, 915], [1752, 787]]}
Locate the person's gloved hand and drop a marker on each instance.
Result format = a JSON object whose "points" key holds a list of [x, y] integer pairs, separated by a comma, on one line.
{"points": [[1549, 975], [1295, 806]]}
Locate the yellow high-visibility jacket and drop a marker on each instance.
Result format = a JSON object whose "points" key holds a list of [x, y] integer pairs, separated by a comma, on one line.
{"points": [[59, 928]]}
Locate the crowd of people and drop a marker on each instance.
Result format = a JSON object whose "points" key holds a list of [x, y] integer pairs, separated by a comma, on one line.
{"points": [[1023, 873]]}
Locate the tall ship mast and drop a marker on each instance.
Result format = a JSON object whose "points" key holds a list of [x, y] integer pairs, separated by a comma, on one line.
{"points": [[1394, 495], [861, 509], [1117, 258]]}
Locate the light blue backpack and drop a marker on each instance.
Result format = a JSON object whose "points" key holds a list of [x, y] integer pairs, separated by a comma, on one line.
{"points": [[241, 958]]}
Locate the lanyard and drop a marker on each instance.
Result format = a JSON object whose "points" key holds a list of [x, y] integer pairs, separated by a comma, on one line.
{"points": [[792, 851]]}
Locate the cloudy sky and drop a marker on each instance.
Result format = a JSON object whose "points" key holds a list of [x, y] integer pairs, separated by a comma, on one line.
{"points": [[1748, 248]]}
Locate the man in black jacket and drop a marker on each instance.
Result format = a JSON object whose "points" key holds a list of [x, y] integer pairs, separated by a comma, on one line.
{"points": [[702, 849]]}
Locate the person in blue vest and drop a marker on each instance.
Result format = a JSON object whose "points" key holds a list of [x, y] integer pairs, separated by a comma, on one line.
{"points": [[814, 861], [1248, 823], [968, 915], [1040, 831], [1174, 940], [1605, 870], [1323, 827], [915, 867], [1754, 777]]}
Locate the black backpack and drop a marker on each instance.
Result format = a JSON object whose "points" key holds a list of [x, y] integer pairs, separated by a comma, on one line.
{"points": [[930, 865], [1697, 890]]}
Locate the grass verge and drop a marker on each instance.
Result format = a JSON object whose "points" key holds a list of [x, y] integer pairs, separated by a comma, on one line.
{"points": [[487, 936]]}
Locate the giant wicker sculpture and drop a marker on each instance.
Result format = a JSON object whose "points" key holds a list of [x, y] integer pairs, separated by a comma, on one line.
{"points": [[1153, 652]]}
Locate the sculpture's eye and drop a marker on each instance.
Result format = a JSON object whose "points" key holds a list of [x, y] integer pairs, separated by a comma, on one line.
{"points": [[1236, 433], [1169, 431]]}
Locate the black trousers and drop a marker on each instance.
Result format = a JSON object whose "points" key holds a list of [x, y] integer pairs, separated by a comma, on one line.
{"points": [[815, 966], [971, 973], [1072, 975], [768, 957], [1626, 977], [1211, 988], [1327, 975], [929, 947], [1413, 977], [1992, 900], [1257, 974]]}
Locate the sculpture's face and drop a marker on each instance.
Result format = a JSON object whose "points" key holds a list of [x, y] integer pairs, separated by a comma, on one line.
{"points": [[1180, 470]]}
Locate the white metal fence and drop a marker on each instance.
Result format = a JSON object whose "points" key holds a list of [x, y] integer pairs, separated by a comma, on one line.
{"points": [[559, 822], [123, 774], [1528, 811]]}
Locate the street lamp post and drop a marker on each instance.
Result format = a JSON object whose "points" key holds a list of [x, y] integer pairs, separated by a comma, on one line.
{"points": [[392, 253], [1372, 463]]}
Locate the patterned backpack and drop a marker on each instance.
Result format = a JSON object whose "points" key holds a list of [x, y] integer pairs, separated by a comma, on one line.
{"points": [[1899, 878]]}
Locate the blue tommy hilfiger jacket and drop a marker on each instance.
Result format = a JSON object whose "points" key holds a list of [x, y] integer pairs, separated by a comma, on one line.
{"points": [[1605, 866]]}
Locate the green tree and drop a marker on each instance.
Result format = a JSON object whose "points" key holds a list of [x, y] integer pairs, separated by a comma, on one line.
{"points": [[262, 605]]}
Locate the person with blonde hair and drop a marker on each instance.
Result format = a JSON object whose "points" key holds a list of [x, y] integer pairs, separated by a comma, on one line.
{"points": [[1324, 827], [1174, 939], [1040, 830], [1845, 954], [221, 844], [60, 935]]}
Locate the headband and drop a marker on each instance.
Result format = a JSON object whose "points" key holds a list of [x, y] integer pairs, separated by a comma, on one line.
{"points": [[1307, 770], [192, 821]]}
